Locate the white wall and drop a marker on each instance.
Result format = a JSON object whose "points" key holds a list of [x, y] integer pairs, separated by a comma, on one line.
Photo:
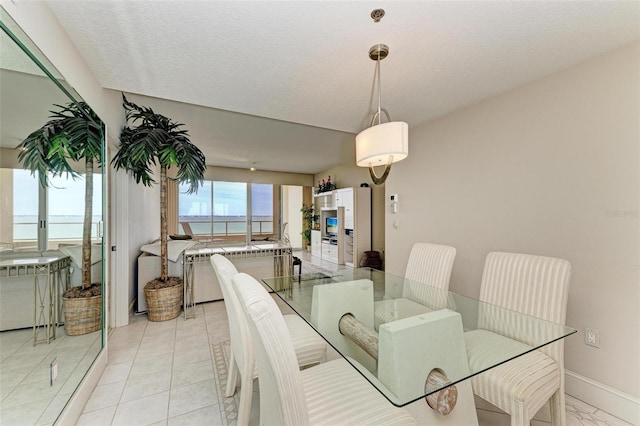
{"points": [[291, 205], [549, 168], [37, 20]]}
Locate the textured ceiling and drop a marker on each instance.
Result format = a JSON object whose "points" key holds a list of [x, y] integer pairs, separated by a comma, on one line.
{"points": [[306, 62]]}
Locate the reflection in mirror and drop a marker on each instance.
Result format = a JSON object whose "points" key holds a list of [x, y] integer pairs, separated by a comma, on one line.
{"points": [[41, 230]]}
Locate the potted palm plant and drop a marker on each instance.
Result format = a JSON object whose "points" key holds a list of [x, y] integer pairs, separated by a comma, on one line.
{"points": [[308, 220], [73, 134], [158, 139]]}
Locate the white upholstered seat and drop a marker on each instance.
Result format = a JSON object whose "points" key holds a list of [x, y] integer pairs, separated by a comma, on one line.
{"points": [[310, 348], [333, 393], [429, 270], [537, 286]]}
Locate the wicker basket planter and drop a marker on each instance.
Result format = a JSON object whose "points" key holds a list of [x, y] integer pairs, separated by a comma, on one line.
{"points": [[82, 315], [163, 303]]}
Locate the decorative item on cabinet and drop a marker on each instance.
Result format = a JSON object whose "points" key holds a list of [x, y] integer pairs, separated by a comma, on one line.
{"points": [[325, 186]]}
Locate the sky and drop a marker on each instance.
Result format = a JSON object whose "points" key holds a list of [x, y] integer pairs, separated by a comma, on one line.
{"points": [[66, 196], [230, 199]]}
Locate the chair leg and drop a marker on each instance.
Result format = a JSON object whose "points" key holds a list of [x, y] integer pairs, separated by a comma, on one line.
{"points": [[558, 409], [520, 415], [232, 377], [246, 393]]}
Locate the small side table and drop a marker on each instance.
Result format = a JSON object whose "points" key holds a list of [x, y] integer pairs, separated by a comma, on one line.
{"points": [[48, 277]]}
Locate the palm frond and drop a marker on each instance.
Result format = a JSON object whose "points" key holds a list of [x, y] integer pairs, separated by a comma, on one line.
{"points": [[149, 138], [74, 132], [157, 139]]}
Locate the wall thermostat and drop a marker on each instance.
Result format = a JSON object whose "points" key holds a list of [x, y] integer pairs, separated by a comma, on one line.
{"points": [[393, 202]]}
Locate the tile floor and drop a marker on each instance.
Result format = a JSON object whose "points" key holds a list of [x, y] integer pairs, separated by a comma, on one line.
{"points": [[161, 373], [171, 373]]}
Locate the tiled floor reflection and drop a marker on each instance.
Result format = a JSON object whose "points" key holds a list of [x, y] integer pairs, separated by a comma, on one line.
{"points": [[27, 396], [174, 372]]}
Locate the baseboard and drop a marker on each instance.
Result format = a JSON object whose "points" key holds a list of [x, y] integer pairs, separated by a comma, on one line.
{"points": [[73, 409], [603, 397]]}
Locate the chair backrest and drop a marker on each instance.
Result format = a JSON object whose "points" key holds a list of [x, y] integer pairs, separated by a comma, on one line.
{"points": [[537, 286], [430, 264], [282, 396], [239, 333]]}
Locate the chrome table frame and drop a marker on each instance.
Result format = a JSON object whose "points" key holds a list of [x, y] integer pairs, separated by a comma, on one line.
{"points": [[46, 294], [282, 263]]}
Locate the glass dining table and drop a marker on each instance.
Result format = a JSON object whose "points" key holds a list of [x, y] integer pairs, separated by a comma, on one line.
{"points": [[409, 340]]}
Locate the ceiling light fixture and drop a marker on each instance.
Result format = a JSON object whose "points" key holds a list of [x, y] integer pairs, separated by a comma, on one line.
{"points": [[381, 143], [253, 167]]}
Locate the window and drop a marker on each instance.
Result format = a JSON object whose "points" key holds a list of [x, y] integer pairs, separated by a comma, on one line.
{"points": [[63, 210], [66, 208], [24, 208], [219, 211], [262, 211], [229, 209]]}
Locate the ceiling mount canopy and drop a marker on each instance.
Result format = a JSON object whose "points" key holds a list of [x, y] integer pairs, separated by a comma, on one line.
{"points": [[382, 143], [377, 14]]}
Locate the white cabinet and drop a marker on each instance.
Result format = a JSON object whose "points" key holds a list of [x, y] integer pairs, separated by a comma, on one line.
{"points": [[329, 251], [357, 238], [348, 250], [353, 208], [344, 198], [325, 200]]}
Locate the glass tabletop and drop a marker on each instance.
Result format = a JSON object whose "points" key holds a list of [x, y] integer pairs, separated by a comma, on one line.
{"points": [[407, 339]]}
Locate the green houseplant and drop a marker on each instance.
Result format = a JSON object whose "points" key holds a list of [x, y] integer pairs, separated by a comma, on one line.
{"points": [[73, 134], [157, 139], [308, 220]]}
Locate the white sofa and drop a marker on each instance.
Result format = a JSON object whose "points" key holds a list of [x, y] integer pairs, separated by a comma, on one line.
{"points": [[206, 286], [75, 253]]}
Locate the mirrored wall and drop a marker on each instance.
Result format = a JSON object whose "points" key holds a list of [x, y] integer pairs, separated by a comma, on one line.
{"points": [[42, 362]]}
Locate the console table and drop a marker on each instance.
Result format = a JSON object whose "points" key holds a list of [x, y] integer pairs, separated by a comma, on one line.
{"points": [[47, 273], [282, 263]]}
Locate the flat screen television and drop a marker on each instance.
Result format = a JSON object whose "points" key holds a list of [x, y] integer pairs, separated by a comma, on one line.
{"points": [[332, 226]]}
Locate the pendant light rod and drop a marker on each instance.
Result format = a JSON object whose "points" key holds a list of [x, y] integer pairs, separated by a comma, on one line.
{"points": [[379, 88], [377, 53]]}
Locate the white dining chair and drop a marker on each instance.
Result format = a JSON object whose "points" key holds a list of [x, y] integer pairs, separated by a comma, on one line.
{"points": [[428, 273], [332, 393], [310, 348], [536, 286]]}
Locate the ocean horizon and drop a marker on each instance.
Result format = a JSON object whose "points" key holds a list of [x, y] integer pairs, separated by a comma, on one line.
{"points": [[61, 227], [69, 227]]}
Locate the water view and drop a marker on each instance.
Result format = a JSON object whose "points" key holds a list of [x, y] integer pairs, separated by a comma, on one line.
{"points": [[67, 227], [225, 225]]}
